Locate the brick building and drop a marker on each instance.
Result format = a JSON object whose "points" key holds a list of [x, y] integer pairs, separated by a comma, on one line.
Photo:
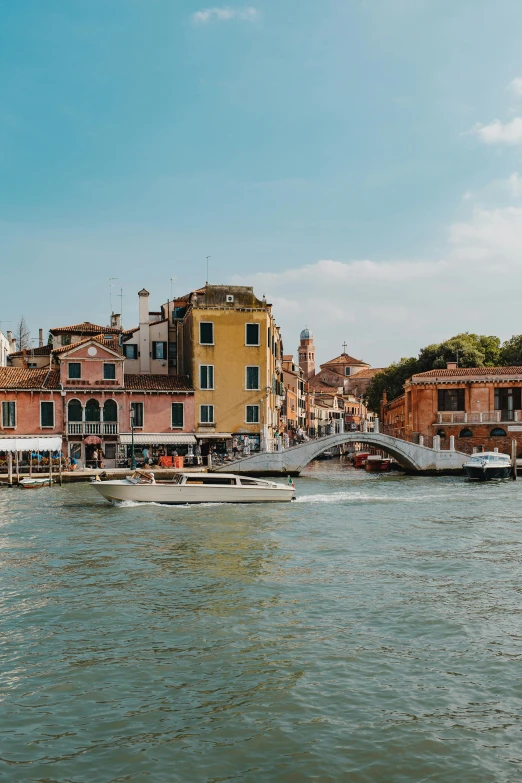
{"points": [[478, 406]]}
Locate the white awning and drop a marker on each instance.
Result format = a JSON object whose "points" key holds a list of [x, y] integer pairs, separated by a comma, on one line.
{"points": [[213, 435], [157, 438], [30, 444]]}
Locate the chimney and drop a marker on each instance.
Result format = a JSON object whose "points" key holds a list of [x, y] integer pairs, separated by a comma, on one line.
{"points": [[116, 320], [451, 365], [144, 339], [40, 338]]}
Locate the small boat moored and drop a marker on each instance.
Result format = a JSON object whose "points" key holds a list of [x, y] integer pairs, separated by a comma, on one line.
{"points": [[35, 483], [487, 465], [199, 487], [377, 464]]}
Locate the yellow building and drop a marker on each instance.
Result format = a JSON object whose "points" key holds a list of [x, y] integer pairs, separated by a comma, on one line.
{"points": [[231, 348]]}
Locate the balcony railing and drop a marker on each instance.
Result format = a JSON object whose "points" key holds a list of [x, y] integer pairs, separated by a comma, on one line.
{"points": [[93, 428], [476, 417]]}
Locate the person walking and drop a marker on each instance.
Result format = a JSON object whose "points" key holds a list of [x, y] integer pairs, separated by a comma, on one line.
{"points": [[235, 448]]}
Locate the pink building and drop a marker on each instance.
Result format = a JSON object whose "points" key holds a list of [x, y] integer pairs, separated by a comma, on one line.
{"points": [[84, 395]]}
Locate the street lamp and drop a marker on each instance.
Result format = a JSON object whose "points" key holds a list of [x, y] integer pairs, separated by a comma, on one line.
{"points": [[133, 457]]}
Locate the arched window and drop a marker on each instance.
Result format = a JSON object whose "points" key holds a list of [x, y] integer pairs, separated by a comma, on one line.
{"points": [[498, 432], [74, 410], [465, 433], [110, 411], [441, 433], [92, 411]]}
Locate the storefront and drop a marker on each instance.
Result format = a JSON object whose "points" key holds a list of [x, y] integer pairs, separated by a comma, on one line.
{"points": [[160, 445]]}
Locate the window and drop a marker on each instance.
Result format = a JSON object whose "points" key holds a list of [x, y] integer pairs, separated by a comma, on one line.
{"points": [[75, 370], [173, 354], [110, 451], [206, 333], [159, 350], [498, 432], [9, 414], [66, 339], [206, 414], [451, 400], [252, 414], [109, 371], [347, 370], [465, 433], [177, 414], [92, 411], [507, 401], [206, 376], [74, 410], [441, 433], [130, 351], [252, 334], [47, 414], [137, 407], [252, 377], [110, 411]]}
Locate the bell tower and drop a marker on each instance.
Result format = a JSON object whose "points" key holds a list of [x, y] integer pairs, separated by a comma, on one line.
{"points": [[307, 354]]}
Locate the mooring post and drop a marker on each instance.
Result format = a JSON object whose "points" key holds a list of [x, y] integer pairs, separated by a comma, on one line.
{"points": [[452, 443], [514, 459], [10, 468]]}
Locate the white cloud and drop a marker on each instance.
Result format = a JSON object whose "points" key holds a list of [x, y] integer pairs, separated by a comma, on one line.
{"points": [[385, 310], [224, 14], [514, 183], [515, 86], [498, 132]]}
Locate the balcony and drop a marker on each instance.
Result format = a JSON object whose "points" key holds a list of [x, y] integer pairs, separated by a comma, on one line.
{"points": [[476, 417], [92, 428]]}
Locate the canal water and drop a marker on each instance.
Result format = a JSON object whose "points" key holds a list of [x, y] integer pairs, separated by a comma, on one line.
{"points": [[369, 632]]}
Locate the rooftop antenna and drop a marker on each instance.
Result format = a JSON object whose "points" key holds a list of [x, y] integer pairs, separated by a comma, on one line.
{"points": [[111, 285], [207, 267], [172, 281], [121, 295]]}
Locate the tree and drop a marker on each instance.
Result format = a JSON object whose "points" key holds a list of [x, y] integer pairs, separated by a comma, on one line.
{"points": [[468, 350], [23, 335], [511, 351]]}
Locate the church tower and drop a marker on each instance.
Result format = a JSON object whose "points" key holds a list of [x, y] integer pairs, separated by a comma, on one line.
{"points": [[307, 354]]}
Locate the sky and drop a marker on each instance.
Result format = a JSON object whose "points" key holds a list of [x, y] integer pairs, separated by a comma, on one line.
{"points": [[359, 162]]}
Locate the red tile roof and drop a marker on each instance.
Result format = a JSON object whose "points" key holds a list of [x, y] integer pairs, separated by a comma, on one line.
{"points": [[86, 328], [343, 359], [462, 372], [112, 344], [368, 373], [23, 378], [43, 350], [166, 383]]}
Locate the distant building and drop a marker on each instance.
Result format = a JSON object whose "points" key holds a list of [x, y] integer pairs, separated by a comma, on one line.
{"points": [[6, 346]]}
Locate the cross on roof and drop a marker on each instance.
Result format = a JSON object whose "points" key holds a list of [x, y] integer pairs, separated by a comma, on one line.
{"points": [[344, 347]]}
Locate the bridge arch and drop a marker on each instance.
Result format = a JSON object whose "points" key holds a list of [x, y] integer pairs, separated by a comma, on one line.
{"points": [[409, 455]]}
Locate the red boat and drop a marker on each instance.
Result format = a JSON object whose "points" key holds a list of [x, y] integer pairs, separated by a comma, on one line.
{"points": [[377, 464], [360, 458]]}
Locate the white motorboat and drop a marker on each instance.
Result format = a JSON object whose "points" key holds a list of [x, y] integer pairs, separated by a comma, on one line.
{"points": [[186, 488], [35, 483], [487, 465]]}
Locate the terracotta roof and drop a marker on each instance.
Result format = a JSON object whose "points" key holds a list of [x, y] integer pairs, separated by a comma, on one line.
{"points": [[43, 350], [22, 378], [368, 373], [462, 372], [130, 331], [316, 384], [288, 357], [86, 328], [158, 383], [159, 321], [344, 358], [112, 344]]}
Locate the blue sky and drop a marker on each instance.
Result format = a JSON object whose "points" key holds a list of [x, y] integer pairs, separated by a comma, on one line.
{"points": [[341, 156]]}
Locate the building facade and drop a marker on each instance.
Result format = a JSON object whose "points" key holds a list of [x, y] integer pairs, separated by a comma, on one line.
{"points": [[481, 407]]}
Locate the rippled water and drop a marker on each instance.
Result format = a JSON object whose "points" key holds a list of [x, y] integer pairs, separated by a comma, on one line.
{"points": [[369, 632]]}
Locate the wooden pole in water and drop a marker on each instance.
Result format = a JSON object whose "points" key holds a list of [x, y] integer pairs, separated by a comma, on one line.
{"points": [[514, 459], [30, 463], [10, 468], [50, 467], [17, 468]]}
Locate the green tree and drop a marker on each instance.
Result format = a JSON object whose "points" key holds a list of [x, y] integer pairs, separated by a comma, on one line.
{"points": [[469, 350], [511, 351]]}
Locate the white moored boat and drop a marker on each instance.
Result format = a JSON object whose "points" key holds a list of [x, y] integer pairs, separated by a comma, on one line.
{"points": [[195, 488], [487, 465]]}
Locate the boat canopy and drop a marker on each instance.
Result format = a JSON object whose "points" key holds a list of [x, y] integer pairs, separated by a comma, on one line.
{"points": [[30, 444]]}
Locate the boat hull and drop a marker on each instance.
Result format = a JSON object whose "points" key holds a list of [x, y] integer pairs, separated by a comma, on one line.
{"points": [[377, 466], [488, 473], [34, 483], [181, 495]]}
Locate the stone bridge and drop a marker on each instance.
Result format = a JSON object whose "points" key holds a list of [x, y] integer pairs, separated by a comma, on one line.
{"points": [[413, 458]]}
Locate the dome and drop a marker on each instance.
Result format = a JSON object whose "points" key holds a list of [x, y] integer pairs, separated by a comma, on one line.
{"points": [[306, 334]]}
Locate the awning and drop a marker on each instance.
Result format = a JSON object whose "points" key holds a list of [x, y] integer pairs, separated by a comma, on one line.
{"points": [[30, 444], [157, 438], [92, 440], [219, 435]]}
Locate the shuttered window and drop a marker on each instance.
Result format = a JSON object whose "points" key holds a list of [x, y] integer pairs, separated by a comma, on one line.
{"points": [[206, 376], [252, 377], [177, 414], [47, 414], [9, 414]]}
